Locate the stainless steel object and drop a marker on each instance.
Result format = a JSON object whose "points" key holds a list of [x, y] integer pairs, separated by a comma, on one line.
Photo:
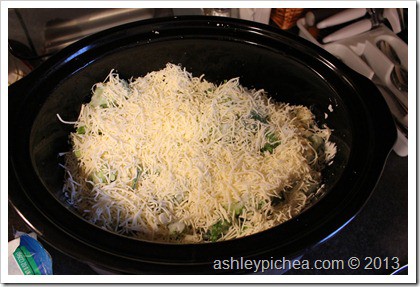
{"points": [[59, 34], [399, 75], [223, 12], [399, 78]]}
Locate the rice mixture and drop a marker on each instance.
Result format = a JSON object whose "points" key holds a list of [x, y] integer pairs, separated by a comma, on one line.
{"points": [[171, 157]]}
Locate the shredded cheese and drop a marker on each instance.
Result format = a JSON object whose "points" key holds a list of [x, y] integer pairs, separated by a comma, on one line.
{"points": [[174, 158]]}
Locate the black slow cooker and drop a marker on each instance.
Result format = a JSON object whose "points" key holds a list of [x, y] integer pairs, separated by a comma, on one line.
{"points": [[290, 69]]}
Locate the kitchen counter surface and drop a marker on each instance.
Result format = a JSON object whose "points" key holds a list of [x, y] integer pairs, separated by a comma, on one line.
{"points": [[379, 231]]}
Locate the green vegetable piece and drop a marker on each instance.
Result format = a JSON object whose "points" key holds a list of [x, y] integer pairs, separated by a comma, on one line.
{"points": [[101, 176], [77, 153], [237, 208], [113, 177], [272, 143], [98, 100], [81, 130], [217, 230], [267, 147], [271, 138], [136, 180], [98, 177], [258, 117]]}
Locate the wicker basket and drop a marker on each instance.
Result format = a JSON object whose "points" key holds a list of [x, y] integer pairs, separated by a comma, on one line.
{"points": [[286, 18]]}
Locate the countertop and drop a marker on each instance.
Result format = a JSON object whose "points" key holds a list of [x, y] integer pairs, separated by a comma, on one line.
{"points": [[379, 231]]}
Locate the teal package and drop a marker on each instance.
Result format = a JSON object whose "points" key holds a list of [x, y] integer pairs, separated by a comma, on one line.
{"points": [[32, 258]]}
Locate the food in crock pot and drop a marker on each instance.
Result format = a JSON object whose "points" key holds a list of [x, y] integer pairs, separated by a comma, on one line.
{"points": [[174, 158]]}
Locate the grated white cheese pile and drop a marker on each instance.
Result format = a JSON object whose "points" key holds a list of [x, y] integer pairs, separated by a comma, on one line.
{"points": [[172, 157]]}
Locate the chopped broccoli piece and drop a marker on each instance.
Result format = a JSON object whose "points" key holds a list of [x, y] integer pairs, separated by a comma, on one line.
{"points": [[272, 143], [258, 117], [217, 230], [81, 130]]}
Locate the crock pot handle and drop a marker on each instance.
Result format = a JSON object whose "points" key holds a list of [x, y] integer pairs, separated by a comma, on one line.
{"points": [[19, 90]]}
